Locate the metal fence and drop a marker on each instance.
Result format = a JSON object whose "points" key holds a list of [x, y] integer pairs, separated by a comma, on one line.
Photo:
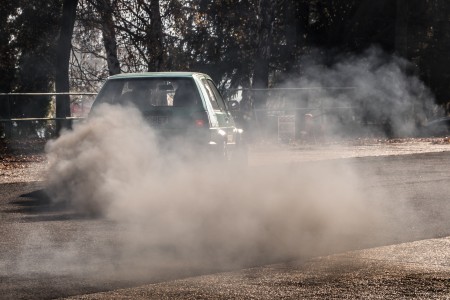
{"points": [[23, 122], [286, 114]]}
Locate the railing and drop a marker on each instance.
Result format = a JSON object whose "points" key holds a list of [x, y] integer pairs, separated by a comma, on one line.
{"points": [[16, 122], [10, 96], [284, 111], [289, 114]]}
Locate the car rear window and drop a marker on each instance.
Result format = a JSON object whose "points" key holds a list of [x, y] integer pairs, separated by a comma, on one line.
{"points": [[147, 93]]}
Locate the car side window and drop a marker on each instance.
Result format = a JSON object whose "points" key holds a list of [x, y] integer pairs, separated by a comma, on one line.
{"points": [[110, 93], [211, 94], [217, 95]]}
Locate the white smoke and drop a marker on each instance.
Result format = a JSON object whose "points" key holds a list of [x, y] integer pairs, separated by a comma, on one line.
{"points": [[154, 211], [371, 94], [174, 212]]}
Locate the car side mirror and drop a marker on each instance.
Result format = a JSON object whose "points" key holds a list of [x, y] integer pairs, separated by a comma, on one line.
{"points": [[233, 105]]}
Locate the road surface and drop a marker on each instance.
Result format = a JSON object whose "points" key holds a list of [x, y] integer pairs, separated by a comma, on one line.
{"points": [[49, 251]]}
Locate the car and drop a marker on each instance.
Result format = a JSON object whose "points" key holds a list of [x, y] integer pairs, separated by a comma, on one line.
{"points": [[181, 106]]}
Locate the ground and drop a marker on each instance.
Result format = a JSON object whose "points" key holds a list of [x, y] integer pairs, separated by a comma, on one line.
{"points": [[24, 160], [410, 270]]}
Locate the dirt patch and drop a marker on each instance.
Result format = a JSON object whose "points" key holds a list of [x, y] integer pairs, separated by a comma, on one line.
{"points": [[22, 160]]}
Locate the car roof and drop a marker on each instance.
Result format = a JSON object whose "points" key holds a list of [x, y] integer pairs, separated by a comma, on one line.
{"points": [[158, 75]]}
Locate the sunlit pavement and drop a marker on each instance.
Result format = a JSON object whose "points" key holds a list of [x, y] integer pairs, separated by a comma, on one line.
{"points": [[276, 154], [414, 270], [419, 269]]}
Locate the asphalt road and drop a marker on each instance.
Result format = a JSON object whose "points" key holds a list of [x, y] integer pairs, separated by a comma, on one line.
{"points": [[49, 251]]}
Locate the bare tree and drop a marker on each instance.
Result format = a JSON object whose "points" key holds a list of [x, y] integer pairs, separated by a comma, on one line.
{"points": [[265, 11], [155, 37], [105, 10], [401, 28], [63, 50]]}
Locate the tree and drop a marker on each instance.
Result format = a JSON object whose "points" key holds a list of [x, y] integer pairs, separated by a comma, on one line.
{"points": [[63, 50], [401, 28], [240, 43], [105, 10], [7, 51], [264, 34], [155, 38], [36, 26], [7, 56], [431, 46]]}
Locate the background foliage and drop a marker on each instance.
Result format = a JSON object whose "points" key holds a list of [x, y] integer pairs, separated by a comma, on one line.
{"points": [[240, 43]]}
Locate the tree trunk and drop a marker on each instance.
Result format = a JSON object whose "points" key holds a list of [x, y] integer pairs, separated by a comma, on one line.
{"points": [[401, 28], [261, 68], [292, 35], [63, 49], [155, 38], [7, 58], [105, 11]]}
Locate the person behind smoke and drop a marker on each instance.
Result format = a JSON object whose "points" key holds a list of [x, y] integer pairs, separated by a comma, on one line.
{"points": [[185, 95], [138, 95]]}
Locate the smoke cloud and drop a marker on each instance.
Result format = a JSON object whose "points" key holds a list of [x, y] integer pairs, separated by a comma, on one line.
{"points": [[169, 213], [371, 94], [145, 210]]}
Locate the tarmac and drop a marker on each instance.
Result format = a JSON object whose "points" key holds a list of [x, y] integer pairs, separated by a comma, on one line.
{"points": [[415, 270]]}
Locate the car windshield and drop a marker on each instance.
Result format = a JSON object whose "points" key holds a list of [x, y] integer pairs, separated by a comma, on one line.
{"points": [[147, 93]]}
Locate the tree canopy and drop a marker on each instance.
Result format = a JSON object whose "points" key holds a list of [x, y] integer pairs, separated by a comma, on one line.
{"points": [[240, 43]]}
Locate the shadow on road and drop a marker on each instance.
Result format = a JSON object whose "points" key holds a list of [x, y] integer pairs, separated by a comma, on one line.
{"points": [[36, 206]]}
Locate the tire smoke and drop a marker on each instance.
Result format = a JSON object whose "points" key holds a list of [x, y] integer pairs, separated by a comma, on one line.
{"points": [[149, 212], [171, 212], [372, 94]]}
